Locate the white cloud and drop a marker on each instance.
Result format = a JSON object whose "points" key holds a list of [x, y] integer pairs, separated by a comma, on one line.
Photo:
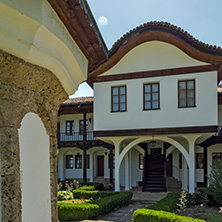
{"points": [[102, 21]]}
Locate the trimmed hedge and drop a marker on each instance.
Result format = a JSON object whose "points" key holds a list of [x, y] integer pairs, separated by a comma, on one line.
{"points": [[89, 188], [81, 211], [148, 215], [168, 203], [97, 186], [77, 194]]}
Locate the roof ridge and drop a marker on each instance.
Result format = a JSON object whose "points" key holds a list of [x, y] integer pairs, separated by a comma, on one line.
{"points": [[167, 25]]}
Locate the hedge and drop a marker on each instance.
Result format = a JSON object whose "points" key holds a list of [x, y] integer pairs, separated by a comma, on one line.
{"points": [[97, 186], [148, 215], [81, 211], [77, 194], [168, 203]]}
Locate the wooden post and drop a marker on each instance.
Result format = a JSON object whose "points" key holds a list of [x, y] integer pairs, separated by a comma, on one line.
{"points": [[111, 166], [84, 149], [205, 166], [84, 166]]}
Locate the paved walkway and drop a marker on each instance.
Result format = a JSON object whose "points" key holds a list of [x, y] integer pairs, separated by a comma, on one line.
{"points": [[125, 214]]}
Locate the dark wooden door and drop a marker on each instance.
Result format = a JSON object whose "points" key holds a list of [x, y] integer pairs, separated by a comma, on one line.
{"points": [[100, 166], [170, 165]]}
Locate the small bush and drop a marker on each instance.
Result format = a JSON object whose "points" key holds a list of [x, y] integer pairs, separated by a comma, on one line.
{"points": [[77, 212], [210, 196], [64, 195], [97, 186], [168, 203], [107, 187], [148, 215], [89, 188], [91, 194], [215, 182], [197, 199]]}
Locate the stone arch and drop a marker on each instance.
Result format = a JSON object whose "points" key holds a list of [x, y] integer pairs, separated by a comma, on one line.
{"points": [[143, 139]]}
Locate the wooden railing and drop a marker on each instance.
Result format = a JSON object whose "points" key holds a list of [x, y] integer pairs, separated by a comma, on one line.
{"points": [[75, 136]]}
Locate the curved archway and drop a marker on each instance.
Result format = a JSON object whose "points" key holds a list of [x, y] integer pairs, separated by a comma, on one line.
{"points": [[142, 139]]}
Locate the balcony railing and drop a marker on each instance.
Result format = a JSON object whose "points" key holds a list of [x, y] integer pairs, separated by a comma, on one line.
{"points": [[75, 136]]}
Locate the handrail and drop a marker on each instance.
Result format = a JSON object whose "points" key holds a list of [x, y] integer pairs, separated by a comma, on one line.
{"points": [[75, 136], [179, 170]]}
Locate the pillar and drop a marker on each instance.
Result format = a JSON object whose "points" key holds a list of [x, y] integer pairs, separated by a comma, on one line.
{"points": [[117, 165], [184, 174], [111, 166], [127, 171], [84, 165], [205, 166], [91, 168], [130, 169]]}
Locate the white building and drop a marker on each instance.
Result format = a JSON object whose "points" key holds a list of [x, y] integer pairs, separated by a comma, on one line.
{"points": [[155, 101]]}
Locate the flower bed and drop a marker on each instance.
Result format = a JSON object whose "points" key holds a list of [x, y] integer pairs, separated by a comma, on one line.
{"points": [[85, 210]]}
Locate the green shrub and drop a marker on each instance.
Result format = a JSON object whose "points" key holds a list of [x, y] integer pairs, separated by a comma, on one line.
{"points": [[107, 187], [91, 194], [197, 199], [64, 195], [97, 186], [148, 215], [168, 203], [210, 196], [89, 188], [215, 182], [81, 211]]}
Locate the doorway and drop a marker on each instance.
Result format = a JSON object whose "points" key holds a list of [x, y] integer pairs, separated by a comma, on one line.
{"points": [[169, 165], [100, 166]]}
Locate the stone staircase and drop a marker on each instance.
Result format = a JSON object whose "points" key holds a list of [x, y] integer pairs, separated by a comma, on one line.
{"points": [[154, 179], [173, 184]]}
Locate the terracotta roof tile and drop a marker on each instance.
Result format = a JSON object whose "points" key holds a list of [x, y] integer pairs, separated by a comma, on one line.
{"points": [[166, 25], [79, 100]]}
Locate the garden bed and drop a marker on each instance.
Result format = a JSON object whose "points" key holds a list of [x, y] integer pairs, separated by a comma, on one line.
{"points": [[71, 211]]}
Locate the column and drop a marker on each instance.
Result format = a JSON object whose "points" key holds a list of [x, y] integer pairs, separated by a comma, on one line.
{"points": [[205, 167], [127, 171], [130, 169], [111, 166], [91, 168], [192, 165], [117, 166], [84, 165], [84, 149], [184, 174]]}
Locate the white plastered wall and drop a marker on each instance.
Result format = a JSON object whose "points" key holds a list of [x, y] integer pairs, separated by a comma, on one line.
{"points": [[153, 55], [31, 30], [35, 170], [169, 115]]}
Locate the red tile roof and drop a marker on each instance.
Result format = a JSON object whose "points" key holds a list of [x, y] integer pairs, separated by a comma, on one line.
{"points": [[79, 100]]}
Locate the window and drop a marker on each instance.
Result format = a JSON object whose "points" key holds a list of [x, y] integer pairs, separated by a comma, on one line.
{"points": [[199, 160], [118, 102], [69, 128], [180, 160], [81, 127], [216, 157], [141, 161], [151, 96], [186, 93], [78, 161], [69, 161], [113, 161]]}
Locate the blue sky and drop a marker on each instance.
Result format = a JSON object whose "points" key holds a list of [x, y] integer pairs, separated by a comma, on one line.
{"points": [[201, 18]]}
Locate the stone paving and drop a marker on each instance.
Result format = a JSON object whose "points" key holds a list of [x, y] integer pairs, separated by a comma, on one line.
{"points": [[125, 214]]}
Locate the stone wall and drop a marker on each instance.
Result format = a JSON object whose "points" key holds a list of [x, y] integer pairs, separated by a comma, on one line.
{"points": [[25, 88]]}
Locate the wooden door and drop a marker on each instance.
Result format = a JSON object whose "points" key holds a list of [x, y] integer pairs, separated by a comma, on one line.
{"points": [[100, 165], [170, 165]]}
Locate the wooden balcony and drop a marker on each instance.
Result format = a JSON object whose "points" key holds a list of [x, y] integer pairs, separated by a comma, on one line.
{"points": [[77, 140]]}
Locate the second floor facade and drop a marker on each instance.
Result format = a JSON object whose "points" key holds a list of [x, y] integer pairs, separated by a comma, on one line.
{"points": [[158, 80]]}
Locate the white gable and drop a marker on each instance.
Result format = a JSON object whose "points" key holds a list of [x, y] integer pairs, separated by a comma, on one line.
{"points": [[154, 55]]}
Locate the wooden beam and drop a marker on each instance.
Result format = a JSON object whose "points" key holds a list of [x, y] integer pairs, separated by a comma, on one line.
{"points": [[111, 166], [205, 166]]}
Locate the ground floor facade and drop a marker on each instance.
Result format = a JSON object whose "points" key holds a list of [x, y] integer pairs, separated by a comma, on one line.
{"points": [[157, 163]]}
